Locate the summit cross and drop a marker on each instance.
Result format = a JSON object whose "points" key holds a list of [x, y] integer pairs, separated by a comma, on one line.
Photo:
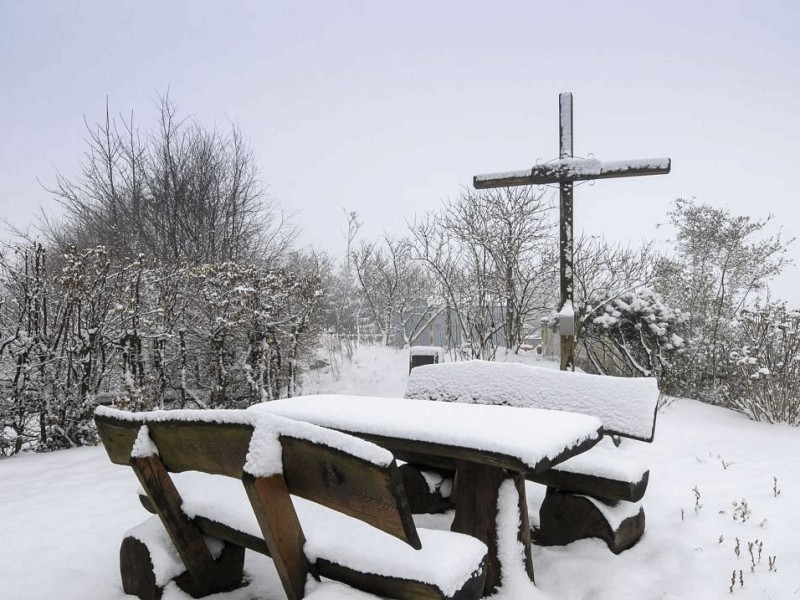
{"points": [[565, 171]]}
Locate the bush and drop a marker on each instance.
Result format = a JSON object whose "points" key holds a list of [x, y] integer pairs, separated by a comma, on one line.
{"points": [[144, 335], [765, 377], [632, 334]]}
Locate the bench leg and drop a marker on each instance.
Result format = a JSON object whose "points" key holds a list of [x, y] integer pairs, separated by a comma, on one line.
{"points": [[565, 518], [478, 488], [206, 574], [272, 505], [227, 576], [136, 569], [184, 533], [421, 499], [139, 579]]}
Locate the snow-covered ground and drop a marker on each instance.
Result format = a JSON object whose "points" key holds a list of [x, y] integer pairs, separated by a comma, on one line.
{"points": [[718, 482]]}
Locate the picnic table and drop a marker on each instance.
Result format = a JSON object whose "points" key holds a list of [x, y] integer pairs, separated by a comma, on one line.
{"points": [[490, 447]]}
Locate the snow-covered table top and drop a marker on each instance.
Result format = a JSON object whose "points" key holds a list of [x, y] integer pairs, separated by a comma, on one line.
{"points": [[523, 439]]}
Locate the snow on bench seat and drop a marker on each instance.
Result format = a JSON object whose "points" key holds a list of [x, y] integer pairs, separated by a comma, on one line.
{"points": [[446, 559], [604, 472], [625, 405]]}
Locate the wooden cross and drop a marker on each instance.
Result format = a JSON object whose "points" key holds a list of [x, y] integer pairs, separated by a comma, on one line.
{"points": [[565, 171]]}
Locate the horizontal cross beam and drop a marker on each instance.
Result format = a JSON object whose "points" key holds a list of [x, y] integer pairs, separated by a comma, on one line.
{"points": [[573, 169]]}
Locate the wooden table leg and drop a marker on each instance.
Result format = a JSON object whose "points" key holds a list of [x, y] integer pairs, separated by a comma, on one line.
{"points": [[477, 493]]}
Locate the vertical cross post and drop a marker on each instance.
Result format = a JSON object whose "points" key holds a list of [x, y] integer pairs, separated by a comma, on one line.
{"points": [[565, 229], [565, 171]]}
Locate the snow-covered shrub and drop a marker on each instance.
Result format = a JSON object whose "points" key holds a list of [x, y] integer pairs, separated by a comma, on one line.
{"points": [[720, 261], [765, 365], [250, 328], [630, 334], [143, 335]]}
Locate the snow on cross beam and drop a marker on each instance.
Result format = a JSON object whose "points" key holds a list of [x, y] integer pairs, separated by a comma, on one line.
{"points": [[574, 169]]}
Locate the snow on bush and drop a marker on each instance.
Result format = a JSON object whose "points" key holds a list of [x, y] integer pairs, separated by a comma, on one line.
{"points": [[765, 379], [631, 334], [80, 329]]}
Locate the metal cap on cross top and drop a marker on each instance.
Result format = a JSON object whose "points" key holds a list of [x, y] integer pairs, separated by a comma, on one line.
{"points": [[565, 171]]}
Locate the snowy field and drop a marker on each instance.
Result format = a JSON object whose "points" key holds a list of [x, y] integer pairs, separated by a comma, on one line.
{"points": [[718, 483]]}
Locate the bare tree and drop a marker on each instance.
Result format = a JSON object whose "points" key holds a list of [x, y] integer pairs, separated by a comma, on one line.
{"points": [[396, 288], [344, 305], [181, 192], [491, 252]]}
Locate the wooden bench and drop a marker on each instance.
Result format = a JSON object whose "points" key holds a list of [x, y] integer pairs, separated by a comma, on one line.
{"points": [[491, 449], [594, 494], [318, 502]]}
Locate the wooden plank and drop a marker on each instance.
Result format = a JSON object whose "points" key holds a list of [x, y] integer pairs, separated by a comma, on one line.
{"points": [[566, 262], [456, 453], [443, 455], [118, 437], [272, 505], [216, 448], [399, 588], [598, 487], [185, 535], [571, 170], [610, 490], [533, 387], [350, 485]]}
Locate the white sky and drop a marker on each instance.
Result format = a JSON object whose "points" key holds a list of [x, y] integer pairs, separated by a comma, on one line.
{"points": [[387, 108]]}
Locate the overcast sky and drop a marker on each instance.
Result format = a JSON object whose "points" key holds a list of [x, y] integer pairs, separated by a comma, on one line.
{"points": [[387, 108]]}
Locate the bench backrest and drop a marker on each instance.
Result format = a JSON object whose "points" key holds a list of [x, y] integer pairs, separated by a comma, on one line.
{"points": [[626, 406], [274, 457]]}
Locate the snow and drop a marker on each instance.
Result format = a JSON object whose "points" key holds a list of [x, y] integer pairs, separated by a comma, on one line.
{"points": [[617, 513], [65, 513], [447, 559], [530, 435], [516, 583], [624, 405], [567, 310], [605, 460], [143, 446], [437, 483], [636, 164], [427, 351]]}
